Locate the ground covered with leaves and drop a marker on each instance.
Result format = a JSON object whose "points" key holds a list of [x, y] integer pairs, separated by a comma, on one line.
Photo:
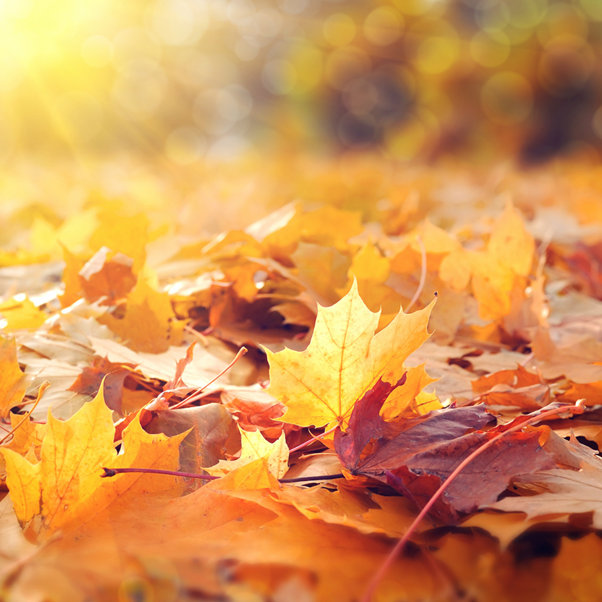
{"points": [[396, 330]]}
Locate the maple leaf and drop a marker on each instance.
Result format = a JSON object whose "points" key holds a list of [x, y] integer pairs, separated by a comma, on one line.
{"points": [[21, 313], [212, 433], [348, 506], [494, 272], [13, 383], [66, 486], [102, 370], [260, 463], [126, 234], [343, 360], [107, 276], [148, 317], [560, 491], [192, 536], [416, 455]]}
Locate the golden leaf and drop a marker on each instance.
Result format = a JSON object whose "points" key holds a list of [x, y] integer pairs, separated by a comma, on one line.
{"points": [[343, 360], [13, 383]]}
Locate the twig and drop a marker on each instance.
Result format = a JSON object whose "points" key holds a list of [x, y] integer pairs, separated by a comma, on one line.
{"points": [[242, 351], [422, 275], [111, 472], [384, 568], [41, 390]]}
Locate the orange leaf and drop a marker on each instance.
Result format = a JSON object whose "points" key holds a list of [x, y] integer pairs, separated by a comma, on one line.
{"points": [[13, 383]]}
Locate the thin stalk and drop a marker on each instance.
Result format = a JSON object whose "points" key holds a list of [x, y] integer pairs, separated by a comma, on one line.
{"points": [[325, 477], [111, 472], [384, 568], [422, 275], [242, 351]]}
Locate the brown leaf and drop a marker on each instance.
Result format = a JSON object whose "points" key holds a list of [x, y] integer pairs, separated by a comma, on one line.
{"points": [[415, 456], [114, 375], [107, 277], [560, 491], [213, 435]]}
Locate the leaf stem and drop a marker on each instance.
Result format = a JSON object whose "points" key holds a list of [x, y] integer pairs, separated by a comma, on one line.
{"points": [[422, 274], [325, 477], [242, 351], [111, 472], [384, 568]]}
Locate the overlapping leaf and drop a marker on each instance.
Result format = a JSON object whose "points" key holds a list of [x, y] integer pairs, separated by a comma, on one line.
{"points": [[343, 361]]}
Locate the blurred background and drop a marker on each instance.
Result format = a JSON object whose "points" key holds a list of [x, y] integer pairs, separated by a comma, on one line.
{"points": [[190, 81]]}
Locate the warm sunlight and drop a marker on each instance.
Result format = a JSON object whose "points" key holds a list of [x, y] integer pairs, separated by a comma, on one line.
{"points": [[300, 300]]}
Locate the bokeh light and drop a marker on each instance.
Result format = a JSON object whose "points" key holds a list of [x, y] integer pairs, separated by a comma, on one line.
{"points": [[174, 79]]}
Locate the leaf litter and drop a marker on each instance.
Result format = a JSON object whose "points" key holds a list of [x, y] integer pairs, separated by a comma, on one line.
{"points": [[362, 401]]}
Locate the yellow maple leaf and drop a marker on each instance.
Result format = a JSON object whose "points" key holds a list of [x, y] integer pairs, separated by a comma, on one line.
{"points": [[401, 398], [343, 360], [26, 434], [510, 243], [66, 486], [13, 383], [127, 234], [146, 324], [496, 271], [260, 463], [20, 313], [23, 479], [329, 226], [254, 475]]}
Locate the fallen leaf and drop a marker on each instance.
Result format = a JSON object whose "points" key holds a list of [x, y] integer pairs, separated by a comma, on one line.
{"points": [[113, 375], [107, 277], [343, 360], [147, 322], [257, 456], [20, 313], [66, 486], [416, 455], [558, 491], [13, 383], [211, 434]]}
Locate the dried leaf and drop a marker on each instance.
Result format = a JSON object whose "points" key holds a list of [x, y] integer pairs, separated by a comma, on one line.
{"points": [[343, 360], [13, 383]]}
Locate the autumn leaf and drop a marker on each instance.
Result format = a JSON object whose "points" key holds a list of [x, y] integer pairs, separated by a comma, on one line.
{"points": [[344, 359], [259, 465], [494, 271], [21, 313], [415, 456], [107, 276], [193, 534], [111, 374], [212, 433], [66, 486], [559, 491], [13, 383], [147, 321]]}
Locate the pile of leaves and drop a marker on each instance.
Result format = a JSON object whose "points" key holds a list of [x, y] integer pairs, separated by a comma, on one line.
{"points": [[251, 416]]}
